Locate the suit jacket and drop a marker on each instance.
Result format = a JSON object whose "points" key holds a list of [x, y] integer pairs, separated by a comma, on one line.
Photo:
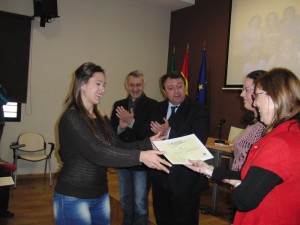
{"points": [[142, 120], [190, 118]]}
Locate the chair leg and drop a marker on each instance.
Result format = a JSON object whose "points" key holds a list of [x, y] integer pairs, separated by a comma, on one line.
{"points": [[15, 173], [230, 162], [45, 170], [50, 174]]}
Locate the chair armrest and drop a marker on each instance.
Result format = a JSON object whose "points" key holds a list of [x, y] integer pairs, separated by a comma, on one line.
{"points": [[51, 149], [12, 144], [15, 146], [52, 145]]}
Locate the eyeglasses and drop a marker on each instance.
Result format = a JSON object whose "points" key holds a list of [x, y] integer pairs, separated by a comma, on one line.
{"points": [[255, 95], [247, 89], [138, 85]]}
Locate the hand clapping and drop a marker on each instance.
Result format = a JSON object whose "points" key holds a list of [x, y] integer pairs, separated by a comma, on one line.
{"points": [[124, 115], [162, 128]]}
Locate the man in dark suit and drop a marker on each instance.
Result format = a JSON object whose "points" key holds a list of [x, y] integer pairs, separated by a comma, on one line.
{"points": [[176, 196], [128, 117]]}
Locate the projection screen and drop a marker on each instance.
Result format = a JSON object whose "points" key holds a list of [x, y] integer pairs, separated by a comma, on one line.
{"points": [[263, 34]]}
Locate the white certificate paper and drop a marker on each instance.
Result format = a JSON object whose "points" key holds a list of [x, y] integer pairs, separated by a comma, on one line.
{"points": [[6, 181], [180, 150]]}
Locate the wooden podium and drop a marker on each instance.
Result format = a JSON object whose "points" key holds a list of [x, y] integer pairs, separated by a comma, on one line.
{"points": [[218, 151]]}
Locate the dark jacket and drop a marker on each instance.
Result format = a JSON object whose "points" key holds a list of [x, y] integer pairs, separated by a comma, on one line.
{"points": [[142, 120], [190, 118]]}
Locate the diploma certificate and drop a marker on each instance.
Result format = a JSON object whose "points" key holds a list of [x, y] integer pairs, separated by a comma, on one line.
{"points": [[180, 150], [6, 181]]}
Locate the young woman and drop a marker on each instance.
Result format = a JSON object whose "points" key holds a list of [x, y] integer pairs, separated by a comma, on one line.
{"points": [[88, 146], [267, 188]]}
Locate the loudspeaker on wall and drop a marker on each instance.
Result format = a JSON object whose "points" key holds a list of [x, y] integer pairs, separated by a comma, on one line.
{"points": [[46, 10]]}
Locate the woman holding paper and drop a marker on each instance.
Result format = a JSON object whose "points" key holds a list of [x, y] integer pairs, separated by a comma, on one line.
{"points": [[266, 191], [88, 145]]}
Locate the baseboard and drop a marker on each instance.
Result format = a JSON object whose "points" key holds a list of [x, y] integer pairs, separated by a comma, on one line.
{"points": [[36, 175]]}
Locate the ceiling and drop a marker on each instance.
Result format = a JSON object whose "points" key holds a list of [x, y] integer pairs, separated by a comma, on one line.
{"points": [[169, 5]]}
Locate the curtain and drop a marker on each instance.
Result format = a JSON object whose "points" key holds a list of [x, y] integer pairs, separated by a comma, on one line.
{"points": [[14, 54]]}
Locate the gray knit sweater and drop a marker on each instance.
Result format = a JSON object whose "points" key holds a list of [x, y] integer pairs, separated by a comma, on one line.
{"points": [[85, 158]]}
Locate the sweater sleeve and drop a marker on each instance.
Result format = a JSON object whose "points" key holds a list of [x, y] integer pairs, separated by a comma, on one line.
{"points": [[141, 145], [219, 174], [76, 136], [256, 185]]}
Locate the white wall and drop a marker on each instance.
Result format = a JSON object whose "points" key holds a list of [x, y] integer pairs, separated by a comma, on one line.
{"points": [[119, 35]]}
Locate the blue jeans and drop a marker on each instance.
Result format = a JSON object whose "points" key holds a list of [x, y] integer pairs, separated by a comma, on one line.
{"points": [[133, 196], [76, 211]]}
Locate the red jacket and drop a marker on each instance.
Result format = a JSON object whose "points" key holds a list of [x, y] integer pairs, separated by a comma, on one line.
{"points": [[279, 152]]}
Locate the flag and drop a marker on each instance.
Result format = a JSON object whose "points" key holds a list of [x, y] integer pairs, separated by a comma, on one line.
{"points": [[185, 69], [202, 86], [172, 66]]}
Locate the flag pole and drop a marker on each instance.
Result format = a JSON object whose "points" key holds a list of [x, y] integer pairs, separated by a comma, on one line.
{"points": [[202, 85], [172, 66]]}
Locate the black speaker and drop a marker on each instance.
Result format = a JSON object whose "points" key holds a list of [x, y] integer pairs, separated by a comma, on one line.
{"points": [[45, 8]]}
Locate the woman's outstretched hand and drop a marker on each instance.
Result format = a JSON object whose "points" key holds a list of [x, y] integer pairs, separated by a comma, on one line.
{"points": [[200, 167], [232, 182], [152, 159]]}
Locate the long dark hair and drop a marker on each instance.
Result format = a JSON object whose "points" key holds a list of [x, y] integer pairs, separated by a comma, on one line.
{"points": [[254, 75], [82, 76]]}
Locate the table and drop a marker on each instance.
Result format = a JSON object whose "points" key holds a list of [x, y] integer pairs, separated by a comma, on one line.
{"points": [[218, 151]]}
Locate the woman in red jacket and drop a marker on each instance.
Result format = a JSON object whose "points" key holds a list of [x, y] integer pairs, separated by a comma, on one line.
{"points": [[267, 188]]}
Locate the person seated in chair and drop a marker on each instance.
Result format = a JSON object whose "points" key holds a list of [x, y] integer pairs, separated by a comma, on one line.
{"points": [[4, 191]]}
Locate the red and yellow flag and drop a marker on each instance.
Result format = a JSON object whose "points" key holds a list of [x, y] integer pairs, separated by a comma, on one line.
{"points": [[185, 69]]}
